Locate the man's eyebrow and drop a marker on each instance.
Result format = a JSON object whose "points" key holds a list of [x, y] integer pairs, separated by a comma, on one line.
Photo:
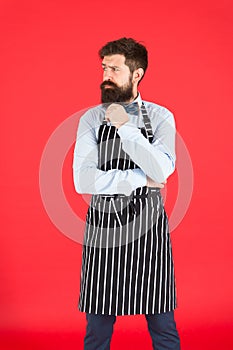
{"points": [[105, 65]]}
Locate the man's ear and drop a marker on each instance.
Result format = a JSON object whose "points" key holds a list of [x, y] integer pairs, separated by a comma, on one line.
{"points": [[137, 75]]}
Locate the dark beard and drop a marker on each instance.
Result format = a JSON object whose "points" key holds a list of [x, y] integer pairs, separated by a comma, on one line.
{"points": [[116, 93]]}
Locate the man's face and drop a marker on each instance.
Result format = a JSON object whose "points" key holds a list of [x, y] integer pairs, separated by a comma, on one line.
{"points": [[117, 83]]}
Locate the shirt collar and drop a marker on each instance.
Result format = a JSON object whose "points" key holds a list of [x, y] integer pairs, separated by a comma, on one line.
{"points": [[138, 99]]}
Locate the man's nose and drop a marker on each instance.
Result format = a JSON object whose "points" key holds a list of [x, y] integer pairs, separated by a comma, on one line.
{"points": [[107, 74]]}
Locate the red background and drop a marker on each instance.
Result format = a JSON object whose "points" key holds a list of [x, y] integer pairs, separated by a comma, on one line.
{"points": [[50, 70]]}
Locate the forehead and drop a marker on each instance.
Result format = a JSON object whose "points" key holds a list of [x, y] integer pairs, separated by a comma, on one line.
{"points": [[114, 60]]}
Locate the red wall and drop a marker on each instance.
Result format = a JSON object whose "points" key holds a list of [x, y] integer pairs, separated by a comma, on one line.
{"points": [[49, 71]]}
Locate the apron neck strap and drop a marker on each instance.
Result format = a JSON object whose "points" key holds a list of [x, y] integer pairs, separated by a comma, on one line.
{"points": [[146, 120]]}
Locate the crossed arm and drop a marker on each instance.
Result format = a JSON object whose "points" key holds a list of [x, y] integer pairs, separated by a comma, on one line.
{"points": [[156, 161]]}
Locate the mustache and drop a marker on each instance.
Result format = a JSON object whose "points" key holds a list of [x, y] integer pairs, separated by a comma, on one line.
{"points": [[109, 83]]}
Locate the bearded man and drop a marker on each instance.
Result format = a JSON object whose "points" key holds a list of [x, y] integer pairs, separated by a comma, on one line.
{"points": [[124, 153]]}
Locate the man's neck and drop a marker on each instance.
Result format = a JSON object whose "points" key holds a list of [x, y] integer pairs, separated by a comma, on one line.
{"points": [[133, 98]]}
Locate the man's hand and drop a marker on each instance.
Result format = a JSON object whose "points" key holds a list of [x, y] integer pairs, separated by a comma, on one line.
{"points": [[152, 183], [117, 115]]}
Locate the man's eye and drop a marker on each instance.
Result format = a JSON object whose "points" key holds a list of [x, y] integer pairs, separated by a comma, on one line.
{"points": [[114, 69]]}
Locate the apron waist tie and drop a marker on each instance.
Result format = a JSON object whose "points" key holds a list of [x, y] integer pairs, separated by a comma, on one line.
{"points": [[131, 203]]}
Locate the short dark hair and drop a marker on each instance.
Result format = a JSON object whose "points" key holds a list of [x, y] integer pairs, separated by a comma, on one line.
{"points": [[135, 53]]}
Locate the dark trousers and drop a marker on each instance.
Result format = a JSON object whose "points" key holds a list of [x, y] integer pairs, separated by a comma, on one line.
{"points": [[162, 329]]}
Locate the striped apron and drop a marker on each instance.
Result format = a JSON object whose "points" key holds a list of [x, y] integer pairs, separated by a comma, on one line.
{"points": [[127, 264]]}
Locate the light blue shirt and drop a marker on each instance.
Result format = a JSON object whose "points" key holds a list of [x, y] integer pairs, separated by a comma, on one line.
{"points": [[156, 159]]}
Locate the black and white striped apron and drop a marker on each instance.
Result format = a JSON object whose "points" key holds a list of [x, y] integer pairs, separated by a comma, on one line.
{"points": [[127, 264]]}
